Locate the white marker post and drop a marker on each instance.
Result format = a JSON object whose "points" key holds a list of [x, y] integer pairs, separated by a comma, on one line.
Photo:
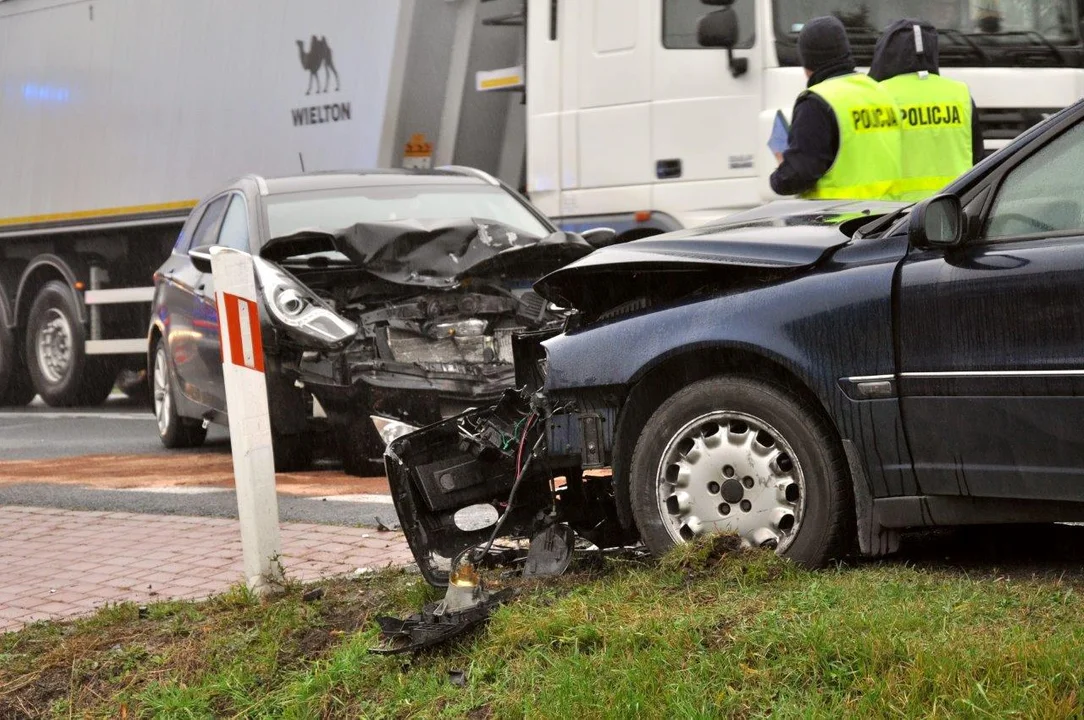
{"points": [[250, 420]]}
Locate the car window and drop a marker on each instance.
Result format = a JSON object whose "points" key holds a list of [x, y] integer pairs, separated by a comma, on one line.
{"points": [[336, 209], [184, 238], [679, 18], [234, 232], [1044, 195], [204, 233]]}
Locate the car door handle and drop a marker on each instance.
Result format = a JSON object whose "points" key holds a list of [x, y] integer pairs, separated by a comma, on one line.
{"points": [[668, 169]]}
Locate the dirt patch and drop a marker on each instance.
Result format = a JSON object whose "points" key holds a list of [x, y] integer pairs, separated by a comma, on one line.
{"points": [[121, 472]]}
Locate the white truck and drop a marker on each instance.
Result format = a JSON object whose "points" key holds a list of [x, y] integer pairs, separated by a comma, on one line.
{"points": [[117, 115]]}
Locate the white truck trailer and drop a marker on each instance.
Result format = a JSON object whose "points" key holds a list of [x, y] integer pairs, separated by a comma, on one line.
{"points": [[117, 115]]}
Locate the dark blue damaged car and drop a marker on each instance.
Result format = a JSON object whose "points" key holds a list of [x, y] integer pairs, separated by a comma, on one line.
{"points": [[815, 377]]}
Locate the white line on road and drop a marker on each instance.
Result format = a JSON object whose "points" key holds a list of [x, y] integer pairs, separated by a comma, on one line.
{"points": [[369, 498], [359, 498], [147, 417]]}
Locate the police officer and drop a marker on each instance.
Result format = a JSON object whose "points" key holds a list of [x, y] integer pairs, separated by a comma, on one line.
{"points": [[942, 137], [844, 137]]}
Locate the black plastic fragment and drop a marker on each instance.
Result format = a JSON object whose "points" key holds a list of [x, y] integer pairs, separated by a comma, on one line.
{"points": [[428, 629]]}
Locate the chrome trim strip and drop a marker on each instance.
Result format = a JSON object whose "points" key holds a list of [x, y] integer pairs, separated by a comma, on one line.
{"points": [[968, 374], [994, 374]]}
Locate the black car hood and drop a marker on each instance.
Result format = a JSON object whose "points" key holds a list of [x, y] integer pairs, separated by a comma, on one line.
{"points": [[779, 236], [433, 253]]}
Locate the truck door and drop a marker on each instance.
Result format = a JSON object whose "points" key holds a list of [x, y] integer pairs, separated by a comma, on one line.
{"points": [[705, 143], [606, 91]]}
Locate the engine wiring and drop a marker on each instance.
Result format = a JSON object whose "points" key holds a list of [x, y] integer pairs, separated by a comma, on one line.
{"points": [[521, 472]]}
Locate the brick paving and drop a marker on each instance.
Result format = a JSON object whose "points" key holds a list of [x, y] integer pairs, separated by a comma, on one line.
{"points": [[57, 564]]}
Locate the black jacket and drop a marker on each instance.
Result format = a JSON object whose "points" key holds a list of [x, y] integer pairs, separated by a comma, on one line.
{"points": [[895, 54], [814, 132], [814, 138]]}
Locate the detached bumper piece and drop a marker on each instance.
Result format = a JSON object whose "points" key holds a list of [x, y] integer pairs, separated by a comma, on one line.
{"points": [[466, 605]]}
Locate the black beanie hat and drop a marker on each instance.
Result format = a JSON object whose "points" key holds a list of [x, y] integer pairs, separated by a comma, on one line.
{"points": [[823, 42]]}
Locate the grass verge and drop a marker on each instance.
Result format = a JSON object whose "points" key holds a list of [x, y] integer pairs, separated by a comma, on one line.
{"points": [[711, 631]]}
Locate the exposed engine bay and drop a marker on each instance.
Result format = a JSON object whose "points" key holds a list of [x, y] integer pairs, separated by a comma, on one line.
{"points": [[410, 321]]}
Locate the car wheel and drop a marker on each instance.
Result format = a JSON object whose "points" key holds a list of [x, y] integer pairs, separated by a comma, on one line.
{"points": [[734, 454], [56, 355], [15, 386], [174, 430], [293, 453]]}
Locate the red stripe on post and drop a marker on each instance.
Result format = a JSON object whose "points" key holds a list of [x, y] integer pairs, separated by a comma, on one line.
{"points": [[242, 333], [257, 339]]}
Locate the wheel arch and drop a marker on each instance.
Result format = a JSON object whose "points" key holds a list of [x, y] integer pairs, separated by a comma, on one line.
{"points": [[40, 271], [657, 382]]}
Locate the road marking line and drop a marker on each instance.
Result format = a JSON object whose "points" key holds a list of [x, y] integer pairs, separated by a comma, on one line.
{"points": [[368, 498], [76, 415], [359, 498]]}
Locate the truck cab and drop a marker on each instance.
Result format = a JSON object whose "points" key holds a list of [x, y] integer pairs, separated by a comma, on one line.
{"points": [[633, 122]]}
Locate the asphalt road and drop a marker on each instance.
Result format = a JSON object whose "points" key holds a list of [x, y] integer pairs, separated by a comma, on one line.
{"points": [[120, 427]]}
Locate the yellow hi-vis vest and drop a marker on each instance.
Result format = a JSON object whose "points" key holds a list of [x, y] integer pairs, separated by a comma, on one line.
{"points": [[869, 163], [935, 118]]}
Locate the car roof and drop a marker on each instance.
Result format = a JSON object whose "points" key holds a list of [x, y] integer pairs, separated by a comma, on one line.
{"points": [[316, 181]]}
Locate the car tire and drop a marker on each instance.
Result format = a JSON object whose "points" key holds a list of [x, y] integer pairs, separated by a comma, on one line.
{"points": [[293, 453], [361, 449], [173, 430], [744, 455], [59, 368], [16, 390]]}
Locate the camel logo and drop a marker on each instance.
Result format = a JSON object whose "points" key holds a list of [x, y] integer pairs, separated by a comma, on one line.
{"points": [[316, 58]]}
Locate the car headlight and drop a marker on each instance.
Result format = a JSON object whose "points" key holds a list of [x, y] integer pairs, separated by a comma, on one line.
{"points": [[391, 430], [298, 310]]}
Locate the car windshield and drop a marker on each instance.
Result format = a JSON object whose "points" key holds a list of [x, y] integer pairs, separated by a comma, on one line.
{"points": [[995, 30], [335, 209]]}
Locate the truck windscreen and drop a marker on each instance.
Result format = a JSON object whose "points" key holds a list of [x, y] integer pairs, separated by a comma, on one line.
{"points": [[992, 33]]}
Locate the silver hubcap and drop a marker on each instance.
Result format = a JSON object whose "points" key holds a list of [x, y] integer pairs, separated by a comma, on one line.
{"points": [[163, 401], [731, 472], [54, 344]]}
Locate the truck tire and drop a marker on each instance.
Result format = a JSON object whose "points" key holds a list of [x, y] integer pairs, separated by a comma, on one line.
{"points": [[173, 430], [747, 456], [56, 355], [15, 386]]}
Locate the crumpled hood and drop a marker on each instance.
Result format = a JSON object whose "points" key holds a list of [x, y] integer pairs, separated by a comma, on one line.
{"points": [[779, 236], [895, 52], [434, 253]]}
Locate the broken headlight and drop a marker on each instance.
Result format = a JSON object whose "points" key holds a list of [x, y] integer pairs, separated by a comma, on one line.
{"points": [[390, 430], [299, 311]]}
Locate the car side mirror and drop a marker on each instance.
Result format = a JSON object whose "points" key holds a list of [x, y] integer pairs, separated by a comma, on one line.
{"points": [[936, 223], [719, 29], [599, 237], [201, 258]]}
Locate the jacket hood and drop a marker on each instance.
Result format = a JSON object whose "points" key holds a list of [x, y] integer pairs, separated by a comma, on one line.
{"points": [[896, 54], [778, 237], [433, 253]]}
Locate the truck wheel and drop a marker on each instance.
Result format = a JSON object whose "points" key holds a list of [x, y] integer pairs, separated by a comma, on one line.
{"points": [[293, 453], [361, 448], [15, 386], [174, 430], [56, 352], [733, 454]]}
